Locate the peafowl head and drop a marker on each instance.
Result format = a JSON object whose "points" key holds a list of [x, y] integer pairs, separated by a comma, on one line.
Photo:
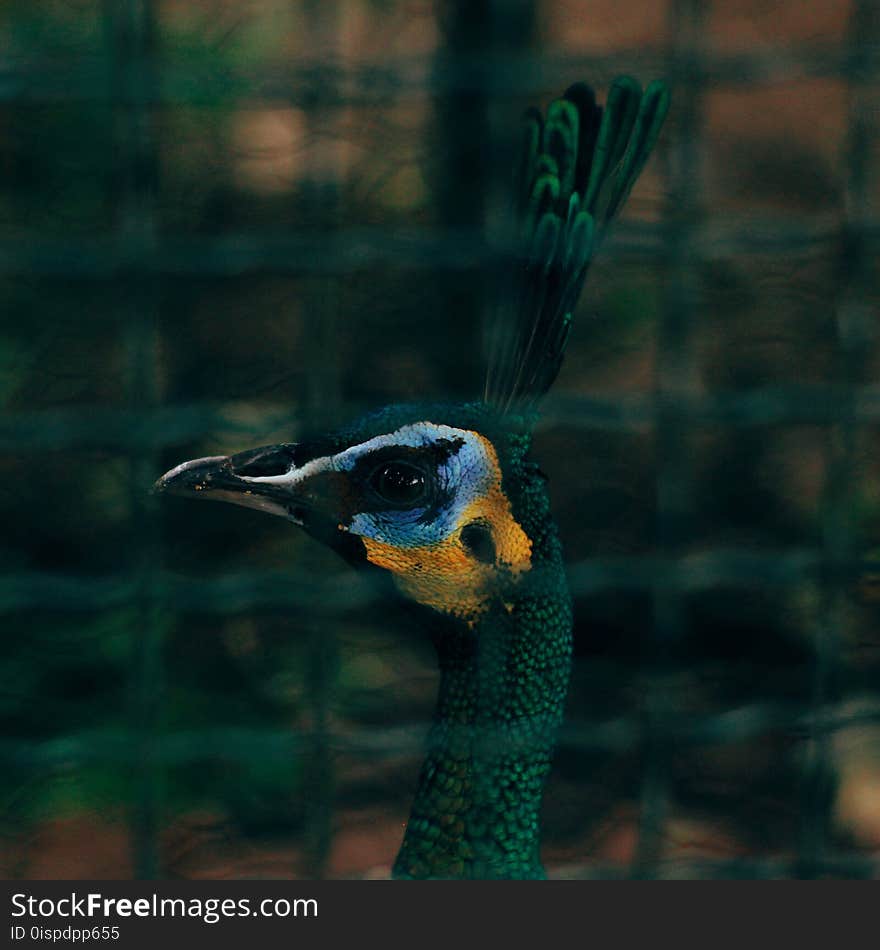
{"points": [[442, 498], [432, 495]]}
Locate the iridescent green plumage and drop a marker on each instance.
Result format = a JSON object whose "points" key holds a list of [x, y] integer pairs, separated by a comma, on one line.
{"points": [[577, 170], [443, 501], [502, 688]]}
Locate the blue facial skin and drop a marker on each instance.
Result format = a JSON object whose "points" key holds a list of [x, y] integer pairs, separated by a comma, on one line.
{"points": [[465, 475]]}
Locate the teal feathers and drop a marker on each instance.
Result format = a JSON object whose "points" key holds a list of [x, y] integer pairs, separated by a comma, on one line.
{"points": [[577, 169]]}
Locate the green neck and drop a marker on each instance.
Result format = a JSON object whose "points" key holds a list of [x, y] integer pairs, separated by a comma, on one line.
{"points": [[501, 697]]}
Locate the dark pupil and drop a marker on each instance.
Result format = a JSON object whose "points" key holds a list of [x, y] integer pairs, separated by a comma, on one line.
{"points": [[400, 484]]}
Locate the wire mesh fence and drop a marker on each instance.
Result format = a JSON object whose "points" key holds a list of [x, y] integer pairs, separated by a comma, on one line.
{"points": [[219, 230]]}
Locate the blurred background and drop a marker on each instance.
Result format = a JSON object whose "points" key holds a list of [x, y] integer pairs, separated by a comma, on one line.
{"points": [[225, 222]]}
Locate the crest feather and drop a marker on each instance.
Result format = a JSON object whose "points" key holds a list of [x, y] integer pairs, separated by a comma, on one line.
{"points": [[577, 169]]}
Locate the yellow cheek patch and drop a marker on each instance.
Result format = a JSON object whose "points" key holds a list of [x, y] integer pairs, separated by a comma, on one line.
{"points": [[446, 576]]}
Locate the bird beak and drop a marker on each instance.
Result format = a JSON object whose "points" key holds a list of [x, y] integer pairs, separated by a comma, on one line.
{"points": [[266, 479]]}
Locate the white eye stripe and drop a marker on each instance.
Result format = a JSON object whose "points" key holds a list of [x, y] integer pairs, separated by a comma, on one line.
{"points": [[414, 436], [293, 475]]}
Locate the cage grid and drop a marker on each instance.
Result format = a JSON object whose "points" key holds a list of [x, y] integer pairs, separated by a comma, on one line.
{"points": [[137, 255]]}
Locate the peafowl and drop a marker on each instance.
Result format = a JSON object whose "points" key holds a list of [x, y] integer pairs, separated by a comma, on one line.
{"points": [[443, 504]]}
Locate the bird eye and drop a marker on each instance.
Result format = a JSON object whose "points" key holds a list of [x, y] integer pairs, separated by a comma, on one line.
{"points": [[399, 483]]}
